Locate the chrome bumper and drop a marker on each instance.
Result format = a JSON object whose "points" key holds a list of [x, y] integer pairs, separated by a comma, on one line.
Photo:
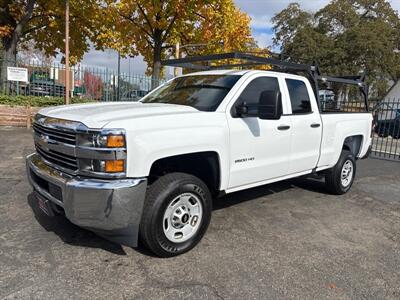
{"points": [[111, 208]]}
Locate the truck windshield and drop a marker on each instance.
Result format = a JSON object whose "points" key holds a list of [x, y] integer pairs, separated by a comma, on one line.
{"points": [[203, 92]]}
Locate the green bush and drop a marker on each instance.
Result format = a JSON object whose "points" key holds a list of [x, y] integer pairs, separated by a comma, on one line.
{"points": [[37, 101]]}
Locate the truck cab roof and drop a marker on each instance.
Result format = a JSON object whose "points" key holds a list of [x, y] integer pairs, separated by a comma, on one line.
{"points": [[244, 72]]}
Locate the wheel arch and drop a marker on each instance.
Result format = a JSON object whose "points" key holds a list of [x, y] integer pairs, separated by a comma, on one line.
{"points": [[205, 165], [353, 144]]}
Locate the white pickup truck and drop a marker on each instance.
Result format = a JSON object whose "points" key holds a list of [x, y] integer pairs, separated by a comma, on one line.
{"points": [[149, 170]]}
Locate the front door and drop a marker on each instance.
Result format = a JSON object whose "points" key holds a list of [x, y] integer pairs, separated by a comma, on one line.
{"points": [[259, 149]]}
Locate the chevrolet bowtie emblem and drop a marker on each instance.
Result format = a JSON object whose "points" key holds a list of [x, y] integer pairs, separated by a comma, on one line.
{"points": [[44, 138]]}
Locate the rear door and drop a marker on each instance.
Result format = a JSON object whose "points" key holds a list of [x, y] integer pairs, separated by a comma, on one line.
{"points": [[259, 148], [306, 126]]}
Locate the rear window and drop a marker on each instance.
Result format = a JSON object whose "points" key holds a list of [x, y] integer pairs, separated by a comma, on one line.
{"points": [[336, 97], [299, 97]]}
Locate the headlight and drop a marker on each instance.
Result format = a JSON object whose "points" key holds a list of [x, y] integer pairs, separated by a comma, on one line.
{"points": [[102, 152], [115, 166], [102, 140], [102, 166], [109, 141], [107, 166]]}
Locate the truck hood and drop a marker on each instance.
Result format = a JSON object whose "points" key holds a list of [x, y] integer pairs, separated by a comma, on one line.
{"points": [[98, 115]]}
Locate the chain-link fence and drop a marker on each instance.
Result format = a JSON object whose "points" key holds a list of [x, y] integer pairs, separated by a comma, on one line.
{"points": [[94, 83]]}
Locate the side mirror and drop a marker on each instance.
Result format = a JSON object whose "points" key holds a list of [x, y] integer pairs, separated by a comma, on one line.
{"points": [[270, 105], [241, 109]]}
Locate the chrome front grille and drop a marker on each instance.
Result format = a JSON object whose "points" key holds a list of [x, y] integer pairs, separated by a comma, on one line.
{"points": [[65, 136], [71, 147], [55, 141], [57, 158]]}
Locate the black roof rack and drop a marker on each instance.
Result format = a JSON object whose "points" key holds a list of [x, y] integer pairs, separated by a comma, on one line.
{"points": [[276, 60], [248, 59]]}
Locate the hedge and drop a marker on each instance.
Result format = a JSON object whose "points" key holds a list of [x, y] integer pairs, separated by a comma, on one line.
{"points": [[37, 101]]}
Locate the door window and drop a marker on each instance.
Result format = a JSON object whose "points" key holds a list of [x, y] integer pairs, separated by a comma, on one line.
{"points": [[299, 97], [251, 94]]}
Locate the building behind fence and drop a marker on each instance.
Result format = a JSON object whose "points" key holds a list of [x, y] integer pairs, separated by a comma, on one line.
{"points": [[93, 83]]}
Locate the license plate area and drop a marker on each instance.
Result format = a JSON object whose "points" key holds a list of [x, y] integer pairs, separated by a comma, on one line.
{"points": [[44, 205], [49, 187]]}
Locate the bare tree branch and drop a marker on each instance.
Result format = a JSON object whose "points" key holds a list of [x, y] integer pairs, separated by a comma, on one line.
{"points": [[200, 15], [32, 29], [136, 24], [29, 10], [146, 18], [167, 31]]}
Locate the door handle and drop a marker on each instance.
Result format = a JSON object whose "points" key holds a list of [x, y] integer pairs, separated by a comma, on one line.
{"points": [[315, 125], [283, 127]]}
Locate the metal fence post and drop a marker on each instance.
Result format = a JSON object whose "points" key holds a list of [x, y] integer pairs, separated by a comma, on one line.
{"points": [[119, 74], [54, 81], [114, 90]]}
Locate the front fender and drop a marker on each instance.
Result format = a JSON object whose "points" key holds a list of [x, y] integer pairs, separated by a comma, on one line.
{"points": [[151, 146]]}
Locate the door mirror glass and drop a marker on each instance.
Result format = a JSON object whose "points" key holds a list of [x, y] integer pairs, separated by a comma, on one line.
{"points": [[270, 105]]}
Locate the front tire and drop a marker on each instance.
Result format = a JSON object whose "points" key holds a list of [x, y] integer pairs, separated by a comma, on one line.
{"points": [[176, 214], [340, 178]]}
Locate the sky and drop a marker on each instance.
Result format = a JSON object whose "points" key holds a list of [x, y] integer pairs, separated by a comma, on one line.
{"points": [[260, 11]]}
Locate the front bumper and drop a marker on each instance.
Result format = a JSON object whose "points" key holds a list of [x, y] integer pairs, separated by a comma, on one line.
{"points": [[110, 208]]}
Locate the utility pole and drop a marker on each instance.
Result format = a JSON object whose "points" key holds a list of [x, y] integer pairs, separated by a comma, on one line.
{"points": [[176, 69], [178, 47], [67, 52]]}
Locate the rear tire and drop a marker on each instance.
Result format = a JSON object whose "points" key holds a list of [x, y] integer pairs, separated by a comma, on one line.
{"points": [[340, 178], [176, 214]]}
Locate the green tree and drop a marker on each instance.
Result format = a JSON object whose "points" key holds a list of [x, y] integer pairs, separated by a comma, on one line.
{"points": [[345, 37]]}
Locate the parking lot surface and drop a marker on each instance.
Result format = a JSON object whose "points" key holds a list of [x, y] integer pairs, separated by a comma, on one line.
{"points": [[284, 240]]}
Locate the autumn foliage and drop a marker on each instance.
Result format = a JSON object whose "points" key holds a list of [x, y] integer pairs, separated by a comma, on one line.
{"points": [[151, 28], [131, 27]]}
